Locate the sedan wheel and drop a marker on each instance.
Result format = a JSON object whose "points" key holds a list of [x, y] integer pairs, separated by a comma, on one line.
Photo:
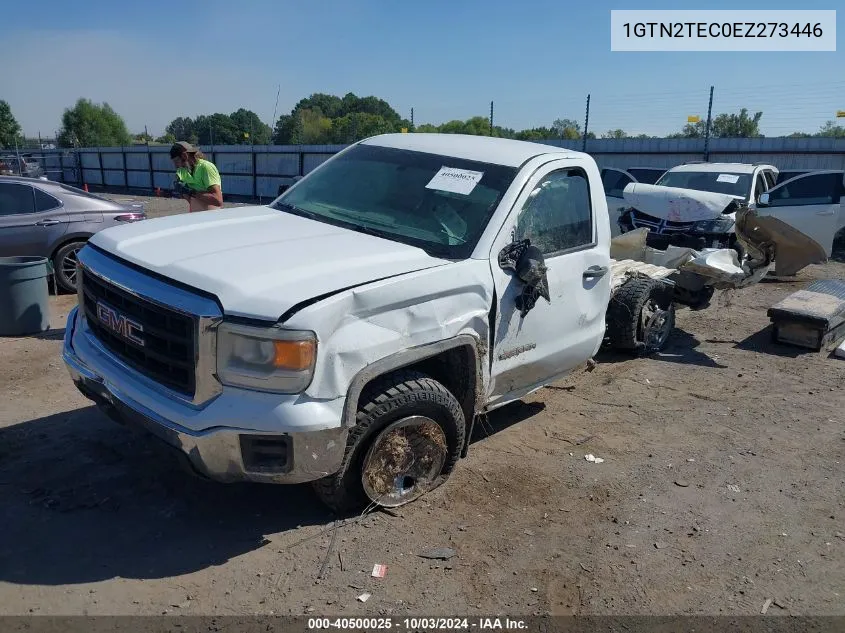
{"points": [[65, 264]]}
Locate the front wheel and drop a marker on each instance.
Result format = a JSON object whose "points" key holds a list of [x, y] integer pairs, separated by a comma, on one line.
{"points": [[641, 316], [407, 439], [64, 264]]}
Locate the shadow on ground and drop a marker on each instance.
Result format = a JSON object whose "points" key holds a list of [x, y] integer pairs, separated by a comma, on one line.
{"points": [[762, 342], [83, 499], [681, 348]]}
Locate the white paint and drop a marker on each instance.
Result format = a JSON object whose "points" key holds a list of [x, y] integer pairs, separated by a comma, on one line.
{"points": [[676, 204], [259, 261], [454, 180], [839, 352]]}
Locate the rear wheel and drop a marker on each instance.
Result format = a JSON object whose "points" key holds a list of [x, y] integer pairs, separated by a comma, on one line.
{"points": [[641, 316], [64, 265], [407, 440]]}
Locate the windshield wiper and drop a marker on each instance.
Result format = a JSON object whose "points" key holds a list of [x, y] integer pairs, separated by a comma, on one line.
{"points": [[297, 211]]}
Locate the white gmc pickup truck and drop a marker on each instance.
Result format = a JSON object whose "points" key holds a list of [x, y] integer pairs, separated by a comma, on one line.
{"points": [[351, 332]]}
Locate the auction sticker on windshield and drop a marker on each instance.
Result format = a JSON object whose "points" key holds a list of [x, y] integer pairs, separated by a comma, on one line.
{"points": [[731, 178], [455, 180]]}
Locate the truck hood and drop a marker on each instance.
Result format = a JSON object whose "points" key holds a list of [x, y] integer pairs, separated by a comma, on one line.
{"points": [[679, 205], [260, 262]]}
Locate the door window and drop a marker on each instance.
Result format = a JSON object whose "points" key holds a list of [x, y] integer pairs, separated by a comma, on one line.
{"points": [[760, 186], [806, 190], [614, 182], [558, 216], [44, 201], [16, 199], [770, 179]]}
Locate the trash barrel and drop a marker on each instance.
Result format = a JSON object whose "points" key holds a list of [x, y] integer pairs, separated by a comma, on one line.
{"points": [[24, 296]]}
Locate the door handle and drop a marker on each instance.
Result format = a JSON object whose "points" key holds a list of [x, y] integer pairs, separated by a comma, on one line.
{"points": [[47, 223], [595, 271]]}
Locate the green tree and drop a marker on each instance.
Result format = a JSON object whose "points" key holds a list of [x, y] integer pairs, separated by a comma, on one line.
{"points": [[9, 128], [182, 129], [311, 127], [427, 128], [216, 129], [248, 121], [725, 125], [143, 137], [567, 129], [168, 138], [89, 124], [832, 129], [358, 125], [617, 133]]}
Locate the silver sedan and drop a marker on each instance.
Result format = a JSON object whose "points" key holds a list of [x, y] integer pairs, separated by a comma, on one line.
{"points": [[54, 220]]}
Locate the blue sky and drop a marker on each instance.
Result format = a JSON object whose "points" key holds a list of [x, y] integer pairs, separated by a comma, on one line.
{"points": [[537, 61]]}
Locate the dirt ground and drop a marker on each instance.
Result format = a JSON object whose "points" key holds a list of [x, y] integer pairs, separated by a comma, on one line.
{"points": [[722, 486]]}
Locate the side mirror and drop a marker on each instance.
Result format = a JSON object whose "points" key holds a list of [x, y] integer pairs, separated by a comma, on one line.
{"points": [[527, 263], [764, 199]]}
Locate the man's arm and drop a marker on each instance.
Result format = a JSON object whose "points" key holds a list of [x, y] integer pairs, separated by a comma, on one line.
{"points": [[212, 197]]}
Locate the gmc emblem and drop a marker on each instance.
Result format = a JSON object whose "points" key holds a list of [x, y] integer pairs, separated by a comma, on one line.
{"points": [[120, 324]]}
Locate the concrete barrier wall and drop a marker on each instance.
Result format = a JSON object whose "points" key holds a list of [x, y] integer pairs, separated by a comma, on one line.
{"points": [[259, 170]]}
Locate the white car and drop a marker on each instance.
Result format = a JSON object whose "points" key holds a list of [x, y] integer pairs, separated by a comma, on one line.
{"points": [[680, 218], [615, 180]]}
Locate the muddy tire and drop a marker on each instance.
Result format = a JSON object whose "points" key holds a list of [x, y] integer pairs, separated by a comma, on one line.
{"points": [[640, 317], [64, 265], [407, 439]]}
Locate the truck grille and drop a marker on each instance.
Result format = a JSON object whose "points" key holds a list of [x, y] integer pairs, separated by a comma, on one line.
{"points": [[155, 341], [658, 226]]}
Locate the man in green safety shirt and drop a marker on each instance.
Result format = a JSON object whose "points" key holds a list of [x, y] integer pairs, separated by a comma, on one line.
{"points": [[198, 180]]}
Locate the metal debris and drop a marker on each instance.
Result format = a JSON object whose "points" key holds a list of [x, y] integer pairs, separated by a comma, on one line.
{"points": [[364, 597], [592, 458], [766, 606]]}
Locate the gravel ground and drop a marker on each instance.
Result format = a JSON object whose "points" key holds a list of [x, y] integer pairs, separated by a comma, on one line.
{"points": [[721, 487]]}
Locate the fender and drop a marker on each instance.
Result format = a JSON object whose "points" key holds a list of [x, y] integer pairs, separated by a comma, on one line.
{"points": [[414, 355]]}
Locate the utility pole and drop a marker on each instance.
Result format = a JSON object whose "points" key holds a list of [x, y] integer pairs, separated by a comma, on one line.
{"points": [[586, 124], [412, 118], [491, 118], [707, 131]]}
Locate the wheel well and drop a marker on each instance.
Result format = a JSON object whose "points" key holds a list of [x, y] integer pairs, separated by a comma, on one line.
{"points": [[67, 240], [454, 368]]}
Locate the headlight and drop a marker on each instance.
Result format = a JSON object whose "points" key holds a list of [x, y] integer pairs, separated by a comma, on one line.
{"points": [[265, 359], [719, 225]]}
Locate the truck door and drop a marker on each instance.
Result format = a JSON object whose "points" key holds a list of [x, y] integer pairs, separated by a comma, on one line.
{"points": [[561, 210], [810, 203]]}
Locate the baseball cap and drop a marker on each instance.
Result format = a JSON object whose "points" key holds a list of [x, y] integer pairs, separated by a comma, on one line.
{"points": [[182, 146]]}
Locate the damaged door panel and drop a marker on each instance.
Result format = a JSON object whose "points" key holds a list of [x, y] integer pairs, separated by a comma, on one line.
{"points": [[810, 203], [555, 335]]}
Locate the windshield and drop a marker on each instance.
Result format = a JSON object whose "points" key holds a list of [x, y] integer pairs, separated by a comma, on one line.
{"points": [[438, 203], [714, 181], [648, 176]]}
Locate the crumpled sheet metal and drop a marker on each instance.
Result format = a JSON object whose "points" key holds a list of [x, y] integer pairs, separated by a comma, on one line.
{"points": [[623, 270], [632, 246], [363, 325], [677, 204]]}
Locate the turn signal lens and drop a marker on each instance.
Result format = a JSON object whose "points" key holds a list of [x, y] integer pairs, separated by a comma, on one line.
{"points": [[294, 355]]}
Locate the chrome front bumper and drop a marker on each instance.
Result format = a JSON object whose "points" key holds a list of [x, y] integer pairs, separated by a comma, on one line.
{"points": [[222, 454]]}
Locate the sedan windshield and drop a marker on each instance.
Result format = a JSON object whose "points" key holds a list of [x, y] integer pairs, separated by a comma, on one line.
{"points": [[438, 203], [714, 181]]}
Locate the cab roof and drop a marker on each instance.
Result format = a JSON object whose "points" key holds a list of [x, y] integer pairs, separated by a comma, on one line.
{"points": [[486, 149]]}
